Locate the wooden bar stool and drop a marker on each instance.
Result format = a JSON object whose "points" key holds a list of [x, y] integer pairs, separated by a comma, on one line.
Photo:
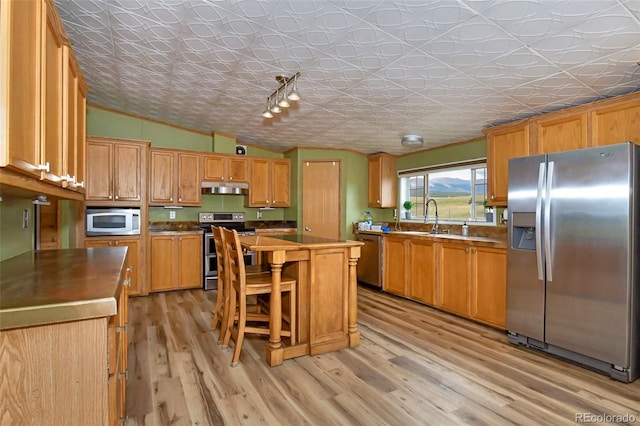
{"points": [[241, 286], [222, 296]]}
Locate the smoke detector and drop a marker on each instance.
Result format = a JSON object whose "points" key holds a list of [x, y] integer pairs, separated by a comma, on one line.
{"points": [[412, 140]]}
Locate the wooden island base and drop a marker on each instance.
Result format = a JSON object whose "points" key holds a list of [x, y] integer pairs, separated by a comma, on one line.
{"points": [[325, 271]]}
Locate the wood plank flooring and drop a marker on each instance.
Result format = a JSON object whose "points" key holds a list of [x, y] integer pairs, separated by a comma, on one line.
{"points": [[415, 366]]}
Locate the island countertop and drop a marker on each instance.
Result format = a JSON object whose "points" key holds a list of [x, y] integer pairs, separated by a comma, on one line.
{"points": [[293, 242], [50, 286]]}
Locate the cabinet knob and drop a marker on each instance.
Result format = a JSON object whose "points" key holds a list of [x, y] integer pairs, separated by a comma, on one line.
{"points": [[306, 228], [267, 201], [466, 250], [473, 250], [80, 184], [171, 199], [179, 200], [230, 178], [46, 167], [110, 197], [492, 196]]}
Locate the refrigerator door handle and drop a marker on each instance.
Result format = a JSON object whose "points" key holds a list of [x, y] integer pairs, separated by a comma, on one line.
{"points": [[547, 224], [541, 174]]}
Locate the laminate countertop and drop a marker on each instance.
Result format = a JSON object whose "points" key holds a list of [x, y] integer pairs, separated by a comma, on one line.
{"points": [[50, 286], [470, 239]]}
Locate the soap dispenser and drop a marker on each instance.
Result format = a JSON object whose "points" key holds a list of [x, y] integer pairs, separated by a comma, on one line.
{"points": [[465, 230]]}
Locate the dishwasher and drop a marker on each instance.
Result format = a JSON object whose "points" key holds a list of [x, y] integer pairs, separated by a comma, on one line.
{"points": [[370, 263]]}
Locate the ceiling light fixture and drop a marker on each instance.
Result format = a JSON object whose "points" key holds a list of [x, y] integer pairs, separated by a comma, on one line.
{"points": [[412, 140], [280, 99]]}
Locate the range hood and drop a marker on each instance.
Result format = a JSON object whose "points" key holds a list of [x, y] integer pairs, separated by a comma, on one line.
{"points": [[225, 187]]}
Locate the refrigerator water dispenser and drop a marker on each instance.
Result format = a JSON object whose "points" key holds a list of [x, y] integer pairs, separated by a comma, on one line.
{"points": [[523, 236]]}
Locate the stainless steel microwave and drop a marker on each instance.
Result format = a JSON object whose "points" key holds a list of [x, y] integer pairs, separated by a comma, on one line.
{"points": [[113, 221]]}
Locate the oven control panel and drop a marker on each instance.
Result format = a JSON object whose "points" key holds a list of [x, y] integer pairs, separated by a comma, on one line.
{"points": [[212, 217]]}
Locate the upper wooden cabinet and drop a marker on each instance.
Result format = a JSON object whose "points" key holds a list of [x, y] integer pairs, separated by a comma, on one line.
{"points": [[383, 181], [563, 133], [616, 123], [116, 172], [174, 178], [74, 122], [225, 168], [605, 122], [502, 145], [269, 182], [36, 140]]}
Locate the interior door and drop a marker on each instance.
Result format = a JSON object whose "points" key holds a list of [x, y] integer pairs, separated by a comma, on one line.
{"points": [[321, 199]]}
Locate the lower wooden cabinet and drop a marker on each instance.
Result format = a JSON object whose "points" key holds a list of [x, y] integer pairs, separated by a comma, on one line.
{"points": [[455, 278], [134, 257], [176, 261], [395, 258], [489, 286], [458, 277], [118, 351]]}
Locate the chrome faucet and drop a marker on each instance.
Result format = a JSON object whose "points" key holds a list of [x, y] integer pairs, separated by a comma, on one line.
{"points": [[426, 214]]}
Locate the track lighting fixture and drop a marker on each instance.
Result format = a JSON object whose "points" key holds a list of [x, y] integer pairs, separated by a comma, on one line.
{"points": [[280, 98]]}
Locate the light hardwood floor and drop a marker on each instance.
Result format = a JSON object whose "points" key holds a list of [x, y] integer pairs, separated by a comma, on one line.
{"points": [[414, 366]]}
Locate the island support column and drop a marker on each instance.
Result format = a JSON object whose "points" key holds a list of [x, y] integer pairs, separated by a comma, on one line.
{"points": [[275, 352], [354, 334]]}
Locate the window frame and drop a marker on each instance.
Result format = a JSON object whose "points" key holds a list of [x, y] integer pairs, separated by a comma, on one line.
{"points": [[403, 190]]}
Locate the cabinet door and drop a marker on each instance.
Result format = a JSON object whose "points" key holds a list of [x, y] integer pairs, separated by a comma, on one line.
{"points": [[100, 174], [395, 265], [127, 174], [489, 285], [237, 169], [280, 183], [69, 136], [52, 134], [375, 179], [213, 167], [21, 23], [81, 135], [134, 261], [163, 263], [383, 182], [93, 242], [455, 261], [501, 146], [189, 179], [616, 124], [161, 178], [189, 261], [260, 188], [422, 285], [562, 134]]}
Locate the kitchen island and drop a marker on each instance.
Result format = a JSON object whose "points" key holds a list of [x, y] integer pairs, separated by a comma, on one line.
{"points": [[325, 271], [63, 337]]}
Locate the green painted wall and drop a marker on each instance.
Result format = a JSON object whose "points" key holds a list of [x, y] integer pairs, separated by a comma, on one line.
{"points": [[14, 239], [444, 155]]}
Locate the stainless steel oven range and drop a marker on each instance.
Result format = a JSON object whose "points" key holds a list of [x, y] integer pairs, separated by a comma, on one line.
{"points": [[210, 262]]}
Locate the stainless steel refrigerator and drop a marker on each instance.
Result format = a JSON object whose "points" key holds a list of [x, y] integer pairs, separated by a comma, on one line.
{"points": [[572, 267]]}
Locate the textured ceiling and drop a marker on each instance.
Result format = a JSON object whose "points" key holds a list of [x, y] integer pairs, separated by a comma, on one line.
{"points": [[371, 70]]}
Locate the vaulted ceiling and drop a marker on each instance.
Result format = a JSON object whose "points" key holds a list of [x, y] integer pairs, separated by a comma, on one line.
{"points": [[370, 70]]}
